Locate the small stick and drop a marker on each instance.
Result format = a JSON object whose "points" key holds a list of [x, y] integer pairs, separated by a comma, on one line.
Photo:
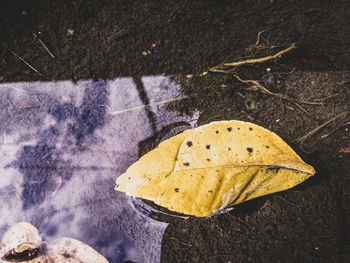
{"points": [[45, 47], [181, 242], [279, 95], [303, 138], [230, 68], [25, 62], [265, 90], [282, 96], [258, 38], [144, 106], [329, 97], [257, 41], [259, 60], [225, 255]]}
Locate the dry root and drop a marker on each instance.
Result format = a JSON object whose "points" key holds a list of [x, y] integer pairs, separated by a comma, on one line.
{"points": [[231, 69]]}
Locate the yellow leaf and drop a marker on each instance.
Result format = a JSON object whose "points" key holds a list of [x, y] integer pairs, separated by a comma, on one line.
{"points": [[204, 170]]}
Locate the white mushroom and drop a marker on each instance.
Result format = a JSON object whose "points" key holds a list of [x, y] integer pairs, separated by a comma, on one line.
{"points": [[21, 241], [74, 251]]}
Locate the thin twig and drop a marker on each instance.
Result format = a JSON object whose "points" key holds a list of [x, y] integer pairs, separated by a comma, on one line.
{"points": [[265, 90], [259, 60], [230, 68], [279, 95], [306, 136], [181, 242], [257, 41], [224, 255], [327, 98], [25, 62], [258, 38], [43, 44], [144, 106]]}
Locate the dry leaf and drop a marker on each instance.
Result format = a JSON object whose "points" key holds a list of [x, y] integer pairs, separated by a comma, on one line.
{"points": [[202, 171]]}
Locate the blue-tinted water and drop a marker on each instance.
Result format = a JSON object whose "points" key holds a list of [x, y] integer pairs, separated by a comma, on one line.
{"points": [[62, 145]]}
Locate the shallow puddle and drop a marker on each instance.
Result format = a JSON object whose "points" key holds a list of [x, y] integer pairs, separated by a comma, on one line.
{"points": [[63, 144]]}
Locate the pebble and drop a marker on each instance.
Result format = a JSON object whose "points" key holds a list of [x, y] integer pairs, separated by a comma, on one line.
{"points": [[70, 32]]}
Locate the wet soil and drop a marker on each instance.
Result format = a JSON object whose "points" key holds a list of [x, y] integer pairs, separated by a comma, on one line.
{"points": [[108, 39]]}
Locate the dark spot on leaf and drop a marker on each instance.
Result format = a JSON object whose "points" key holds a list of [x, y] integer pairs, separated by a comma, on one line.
{"points": [[176, 159], [177, 190], [187, 164], [217, 132], [202, 176], [189, 144], [207, 146], [238, 128], [267, 147], [129, 178], [210, 191], [229, 129], [273, 169], [208, 159], [250, 128], [250, 150], [229, 149]]}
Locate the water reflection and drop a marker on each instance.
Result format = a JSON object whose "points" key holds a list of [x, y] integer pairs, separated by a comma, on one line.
{"points": [[62, 146]]}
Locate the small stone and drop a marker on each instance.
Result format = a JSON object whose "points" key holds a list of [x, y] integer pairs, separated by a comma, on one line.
{"points": [[189, 76], [70, 32], [144, 53]]}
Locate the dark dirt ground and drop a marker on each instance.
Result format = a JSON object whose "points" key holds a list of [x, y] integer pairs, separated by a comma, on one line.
{"points": [[309, 223]]}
